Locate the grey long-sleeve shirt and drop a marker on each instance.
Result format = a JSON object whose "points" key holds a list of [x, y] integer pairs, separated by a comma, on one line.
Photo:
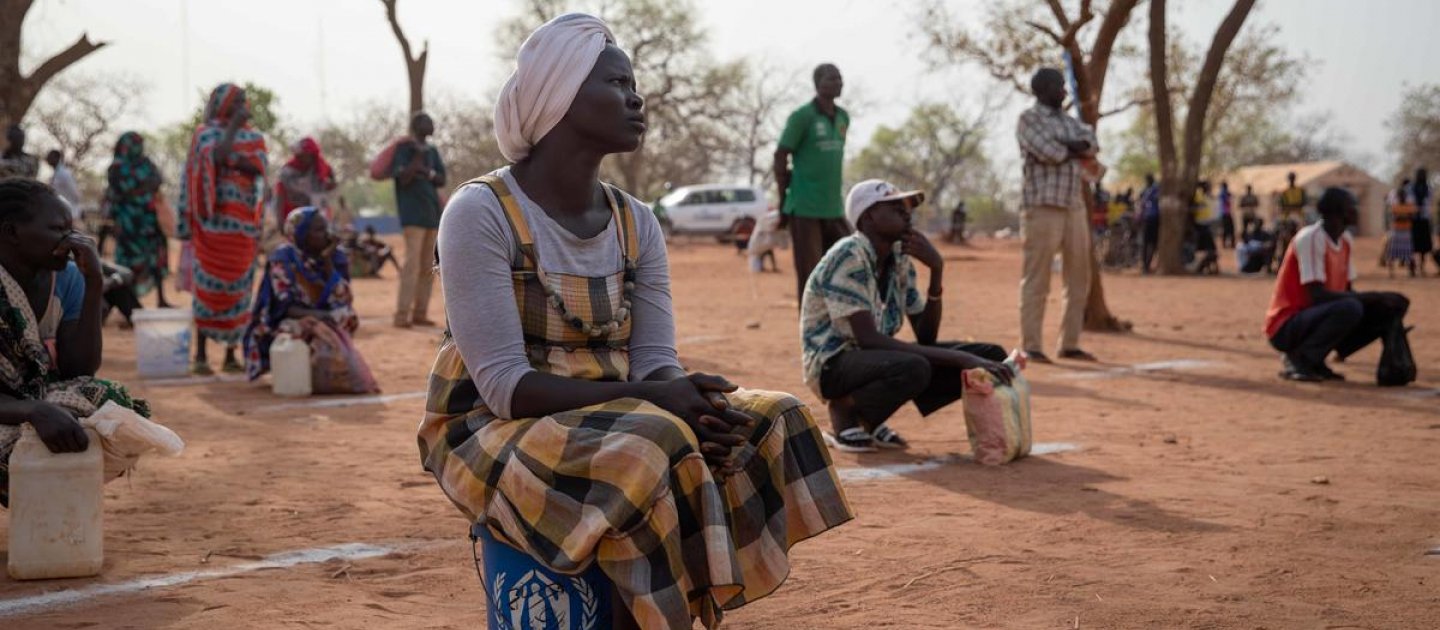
{"points": [[476, 243]]}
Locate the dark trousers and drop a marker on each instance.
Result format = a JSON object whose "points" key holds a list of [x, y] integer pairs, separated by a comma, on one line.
{"points": [[1344, 326], [1227, 231], [1149, 240], [123, 298], [811, 239], [881, 381]]}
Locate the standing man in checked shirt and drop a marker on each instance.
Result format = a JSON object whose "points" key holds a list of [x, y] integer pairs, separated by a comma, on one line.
{"points": [[1053, 216]]}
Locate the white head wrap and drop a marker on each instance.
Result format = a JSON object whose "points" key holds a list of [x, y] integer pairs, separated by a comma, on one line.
{"points": [[552, 64]]}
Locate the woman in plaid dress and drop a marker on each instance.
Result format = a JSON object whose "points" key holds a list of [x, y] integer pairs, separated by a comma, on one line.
{"points": [[559, 415]]}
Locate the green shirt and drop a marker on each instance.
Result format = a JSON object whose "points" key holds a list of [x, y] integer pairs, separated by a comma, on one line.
{"points": [[817, 147], [418, 203]]}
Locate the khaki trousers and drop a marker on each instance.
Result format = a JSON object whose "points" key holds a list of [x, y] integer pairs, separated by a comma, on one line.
{"points": [[416, 277], [1048, 230]]}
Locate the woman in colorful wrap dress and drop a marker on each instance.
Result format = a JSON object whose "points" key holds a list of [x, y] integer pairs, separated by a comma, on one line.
{"points": [[140, 244], [50, 314], [559, 415], [305, 292], [220, 215]]}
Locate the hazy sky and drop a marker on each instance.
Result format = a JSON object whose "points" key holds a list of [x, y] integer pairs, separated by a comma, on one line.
{"points": [[324, 56]]}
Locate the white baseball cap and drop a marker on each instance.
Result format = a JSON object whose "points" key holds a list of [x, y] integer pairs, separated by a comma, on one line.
{"points": [[866, 194]]}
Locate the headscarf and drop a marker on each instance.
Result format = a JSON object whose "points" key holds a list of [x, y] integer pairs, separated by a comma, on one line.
{"points": [[131, 164], [297, 225], [310, 146], [550, 67], [223, 102]]}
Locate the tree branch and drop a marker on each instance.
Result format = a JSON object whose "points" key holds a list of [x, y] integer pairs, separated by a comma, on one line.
{"points": [[1205, 86], [395, 27], [1059, 39], [62, 60], [1134, 102], [1059, 13], [1115, 20]]}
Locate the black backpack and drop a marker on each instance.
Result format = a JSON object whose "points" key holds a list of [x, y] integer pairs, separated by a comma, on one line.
{"points": [[1397, 365]]}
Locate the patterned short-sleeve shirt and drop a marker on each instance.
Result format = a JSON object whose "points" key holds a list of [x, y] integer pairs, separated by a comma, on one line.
{"points": [[844, 283]]}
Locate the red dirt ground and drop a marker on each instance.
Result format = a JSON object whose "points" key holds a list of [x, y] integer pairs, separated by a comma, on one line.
{"points": [[1190, 502]]}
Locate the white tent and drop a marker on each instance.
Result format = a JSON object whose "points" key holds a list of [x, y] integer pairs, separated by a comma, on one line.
{"points": [[1270, 180]]}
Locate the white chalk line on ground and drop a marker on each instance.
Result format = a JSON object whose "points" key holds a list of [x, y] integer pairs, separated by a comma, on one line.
{"points": [[283, 560], [890, 472], [1428, 392], [348, 401], [1141, 368]]}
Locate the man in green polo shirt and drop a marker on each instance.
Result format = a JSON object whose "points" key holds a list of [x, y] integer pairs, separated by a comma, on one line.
{"points": [[810, 194]]}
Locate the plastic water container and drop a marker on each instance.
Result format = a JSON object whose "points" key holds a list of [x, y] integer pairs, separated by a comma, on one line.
{"points": [[162, 342], [289, 366], [56, 510], [522, 593]]}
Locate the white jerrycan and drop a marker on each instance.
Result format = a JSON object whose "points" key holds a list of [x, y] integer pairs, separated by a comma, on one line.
{"points": [[289, 366], [56, 510]]}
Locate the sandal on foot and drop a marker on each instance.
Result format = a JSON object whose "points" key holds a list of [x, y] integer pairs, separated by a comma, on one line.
{"points": [[1078, 355], [201, 368], [886, 437], [1037, 356], [232, 366], [851, 440]]}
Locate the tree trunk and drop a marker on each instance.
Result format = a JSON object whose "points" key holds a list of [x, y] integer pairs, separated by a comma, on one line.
{"points": [[1097, 312], [1177, 182], [414, 65], [18, 92]]}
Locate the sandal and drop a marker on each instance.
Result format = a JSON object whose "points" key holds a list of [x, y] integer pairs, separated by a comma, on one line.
{"points": [[886, 437], [851, 440], [201, 368], [1078, 355], [232, 366]]}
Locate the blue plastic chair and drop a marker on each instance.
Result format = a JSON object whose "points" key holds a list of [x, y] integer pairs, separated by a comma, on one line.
{"points": [[524, 595]]}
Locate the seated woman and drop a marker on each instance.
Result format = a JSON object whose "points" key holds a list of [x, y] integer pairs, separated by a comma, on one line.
{"points": [[305, 292], [559, 415], [51, 286], [367, 256]]}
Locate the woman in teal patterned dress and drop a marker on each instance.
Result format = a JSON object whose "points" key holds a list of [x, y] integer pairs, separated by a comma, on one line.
{"points": [[139, 242]]}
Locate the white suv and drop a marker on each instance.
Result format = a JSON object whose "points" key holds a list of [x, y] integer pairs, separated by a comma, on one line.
{"points": [[709, 209]]}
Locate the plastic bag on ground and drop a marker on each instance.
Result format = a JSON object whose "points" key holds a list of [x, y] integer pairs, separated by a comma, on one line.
{"points": [[997, 417]]}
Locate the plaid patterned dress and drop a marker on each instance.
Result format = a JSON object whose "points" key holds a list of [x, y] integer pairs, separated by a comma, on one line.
{"points": [[623, 483]]}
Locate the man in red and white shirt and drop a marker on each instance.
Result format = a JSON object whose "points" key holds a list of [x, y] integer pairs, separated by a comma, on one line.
{"points": [[1315, 308]]}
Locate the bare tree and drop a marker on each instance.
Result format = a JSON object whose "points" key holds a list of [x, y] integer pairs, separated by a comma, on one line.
{"points": [[79, 113], [18, 90], [691, 99], [1011, 51], [414, 65], [936, 149], [1253, 118], [1177, 179], [1415, 129]]}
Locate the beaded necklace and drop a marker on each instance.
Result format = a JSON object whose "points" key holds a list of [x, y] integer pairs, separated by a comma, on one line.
{"points": [[622, 314]]}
